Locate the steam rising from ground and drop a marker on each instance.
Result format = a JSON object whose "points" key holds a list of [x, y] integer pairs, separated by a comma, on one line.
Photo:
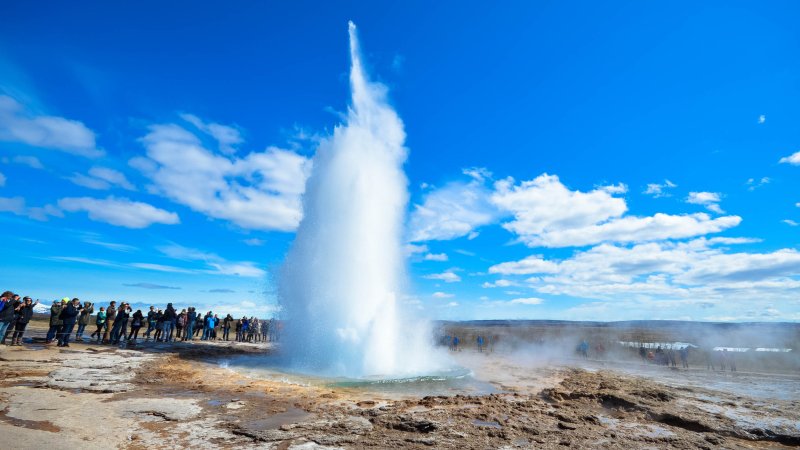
{"points": [[340, 285]]}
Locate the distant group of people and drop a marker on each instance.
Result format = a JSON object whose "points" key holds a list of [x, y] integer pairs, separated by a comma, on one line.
{"points": [[662, 357], [722, 359], [118, 324], [482, 343]]}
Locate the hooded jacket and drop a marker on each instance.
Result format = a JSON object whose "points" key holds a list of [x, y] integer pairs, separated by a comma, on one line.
{"points": [[169, 313], [55, 314], [86, 313]]}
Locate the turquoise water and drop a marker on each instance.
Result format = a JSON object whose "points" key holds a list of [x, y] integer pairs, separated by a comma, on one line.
{"points": [[455, 381]]}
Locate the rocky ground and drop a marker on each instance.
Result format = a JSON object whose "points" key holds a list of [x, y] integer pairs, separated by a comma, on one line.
{"points": [[91, 396]]}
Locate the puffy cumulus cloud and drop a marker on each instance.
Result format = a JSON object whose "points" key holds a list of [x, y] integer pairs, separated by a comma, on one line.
{"points": [[261, 190], [793, 159], [102, 178], [700, 269], [658, 190], [708, 199], [548, 214], [447, 276], [544, 205], [635, 229], [52, 132], [119, 211], [455, 210]]}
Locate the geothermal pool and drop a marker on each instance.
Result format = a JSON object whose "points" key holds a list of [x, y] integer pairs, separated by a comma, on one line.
{"points": [[453, 381]]}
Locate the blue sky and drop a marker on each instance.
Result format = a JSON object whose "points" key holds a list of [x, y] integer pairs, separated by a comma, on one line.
{"points": [[568, 160]]}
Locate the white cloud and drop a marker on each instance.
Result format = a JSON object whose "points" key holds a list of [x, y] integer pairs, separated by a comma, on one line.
{"points": [[102, 178], [119, 211], [762, 118], [257, 191], [660, 190], [499, 284], [454, 210], [241, 269], [545, 205], [793, 159], [30, 161], [634, 229], [160, 268], [436, 257], [441, 295], [57, 133], [708, 199], [2, 180], [254, 242], [216, 263], [527, 266], [227, 137], [615, 189], [452, 304], [753, 184], [548, 214], [790, 222], [527, 301], [16, 205], [697, 270], [447, 276]]}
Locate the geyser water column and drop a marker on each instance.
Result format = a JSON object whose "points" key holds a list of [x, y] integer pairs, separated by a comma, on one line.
{"points": [[340, 284]]}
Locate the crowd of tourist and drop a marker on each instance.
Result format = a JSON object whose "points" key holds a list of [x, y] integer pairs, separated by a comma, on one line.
{"points": [[119, 324]]}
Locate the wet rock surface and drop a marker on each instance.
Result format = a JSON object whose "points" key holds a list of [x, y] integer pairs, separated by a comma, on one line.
{"points": [[136, 399]]}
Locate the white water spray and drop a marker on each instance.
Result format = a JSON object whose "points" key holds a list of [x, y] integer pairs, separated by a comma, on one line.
{"points": [[341, 282]]}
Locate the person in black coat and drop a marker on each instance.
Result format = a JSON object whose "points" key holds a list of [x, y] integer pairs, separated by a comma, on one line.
{"points": [[120, 323], [24, 315], [137, 320], [69, 315], [170, 317]]}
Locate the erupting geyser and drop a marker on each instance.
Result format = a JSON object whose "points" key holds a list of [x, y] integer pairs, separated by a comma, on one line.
{"points": [[340, 287]]}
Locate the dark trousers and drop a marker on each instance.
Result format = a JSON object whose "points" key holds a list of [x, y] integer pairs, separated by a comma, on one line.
{"points": [[65, 332], [225, 332], [134, 332], [118, 331], [19, 330], [52, 332], [99, 331]]}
